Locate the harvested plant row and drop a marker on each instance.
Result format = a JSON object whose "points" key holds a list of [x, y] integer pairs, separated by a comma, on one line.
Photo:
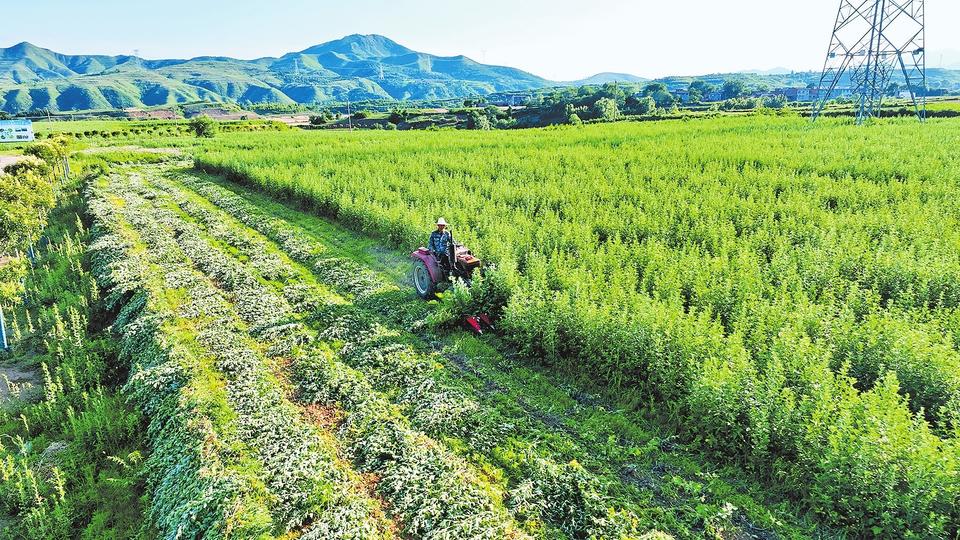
{"points": [[230, 456]]}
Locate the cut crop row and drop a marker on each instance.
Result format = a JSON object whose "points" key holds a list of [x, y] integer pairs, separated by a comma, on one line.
{"points": [[231, 457], [433, 493]]}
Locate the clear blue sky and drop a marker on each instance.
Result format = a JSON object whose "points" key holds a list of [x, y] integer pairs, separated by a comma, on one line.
{"points": [[558, 39]]}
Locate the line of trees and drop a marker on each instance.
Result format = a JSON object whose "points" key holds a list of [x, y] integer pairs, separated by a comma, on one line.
{"points": [[606, 103], [613, 101]]}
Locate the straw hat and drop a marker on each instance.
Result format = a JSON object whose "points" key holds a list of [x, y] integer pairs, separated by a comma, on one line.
{"points": [[441, 221]]}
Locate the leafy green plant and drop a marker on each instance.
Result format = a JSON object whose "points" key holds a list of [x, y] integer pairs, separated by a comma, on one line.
{"points": [[678, 270], [204, 126]]}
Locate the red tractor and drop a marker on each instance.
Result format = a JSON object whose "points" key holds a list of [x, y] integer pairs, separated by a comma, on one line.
{"points": [[433, 273]]}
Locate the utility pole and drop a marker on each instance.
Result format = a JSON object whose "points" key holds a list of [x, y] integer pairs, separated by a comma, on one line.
{"points": [[872, 40]]}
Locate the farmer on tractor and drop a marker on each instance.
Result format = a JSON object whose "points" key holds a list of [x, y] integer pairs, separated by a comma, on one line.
{"points": [[440, 242], [438, 265]]}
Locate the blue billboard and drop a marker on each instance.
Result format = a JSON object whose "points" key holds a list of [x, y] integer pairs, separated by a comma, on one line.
{"points": [[12, 131]]}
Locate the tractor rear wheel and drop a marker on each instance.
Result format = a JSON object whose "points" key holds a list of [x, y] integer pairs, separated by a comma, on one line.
{"points": [[422, 281]]}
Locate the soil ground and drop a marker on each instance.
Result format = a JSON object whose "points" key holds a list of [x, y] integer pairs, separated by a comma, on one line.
{"points": [[22, 377]]}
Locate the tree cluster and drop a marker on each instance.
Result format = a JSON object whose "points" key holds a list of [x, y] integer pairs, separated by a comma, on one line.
{"points": [[607, 103], [27, 194], [490, 117], [322, 117]]}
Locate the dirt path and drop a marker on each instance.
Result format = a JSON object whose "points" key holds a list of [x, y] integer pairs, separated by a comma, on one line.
{"points": [[8, 160]]}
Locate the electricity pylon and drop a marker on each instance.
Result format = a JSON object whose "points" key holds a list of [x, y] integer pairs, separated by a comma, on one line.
{"points": [[873, 41]]}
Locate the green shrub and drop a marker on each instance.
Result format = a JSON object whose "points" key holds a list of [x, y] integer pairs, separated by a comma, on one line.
{"points": [[204, 126]]}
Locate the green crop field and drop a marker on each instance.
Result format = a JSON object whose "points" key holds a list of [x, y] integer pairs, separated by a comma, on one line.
{"points": [[741, 279], [948, 105], [734, 327]]}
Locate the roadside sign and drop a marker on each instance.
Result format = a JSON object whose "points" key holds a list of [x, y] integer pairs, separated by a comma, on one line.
{"points": [[16, 131]]}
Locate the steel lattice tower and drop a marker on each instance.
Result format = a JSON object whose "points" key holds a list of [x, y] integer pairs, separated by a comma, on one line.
{"points": [[873, 42]]}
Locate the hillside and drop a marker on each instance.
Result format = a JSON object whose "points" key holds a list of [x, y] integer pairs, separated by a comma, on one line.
{"points": [[357, 67]]}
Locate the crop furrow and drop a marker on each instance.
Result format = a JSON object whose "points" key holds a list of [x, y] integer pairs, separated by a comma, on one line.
{"points": [[300, 483]]}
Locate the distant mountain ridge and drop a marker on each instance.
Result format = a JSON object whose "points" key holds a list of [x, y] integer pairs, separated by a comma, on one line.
{"points": [[356, 67], [607, 77]]}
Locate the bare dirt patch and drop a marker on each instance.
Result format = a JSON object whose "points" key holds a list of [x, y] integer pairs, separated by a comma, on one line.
{"points": [[327, 418], [8, 160], [17, 382]]}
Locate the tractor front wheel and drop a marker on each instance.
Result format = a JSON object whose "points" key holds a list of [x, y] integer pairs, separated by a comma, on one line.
{"points": [[425, 286]]}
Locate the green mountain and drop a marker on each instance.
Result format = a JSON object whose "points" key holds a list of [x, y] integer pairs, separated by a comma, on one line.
{"points": [[357, 67], [26, 63]]}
